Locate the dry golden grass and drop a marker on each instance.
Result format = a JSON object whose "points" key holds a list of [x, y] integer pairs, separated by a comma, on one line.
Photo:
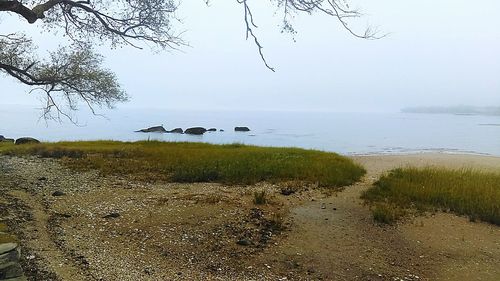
{"points": [[465, 192]]}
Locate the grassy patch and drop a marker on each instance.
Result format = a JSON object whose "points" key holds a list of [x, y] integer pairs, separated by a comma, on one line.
{"points": [[465, 192], [199, 162], [260, 197], [386, 213]]}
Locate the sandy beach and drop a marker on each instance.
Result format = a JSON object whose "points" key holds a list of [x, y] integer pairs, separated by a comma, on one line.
{"points": [[111, 228]]}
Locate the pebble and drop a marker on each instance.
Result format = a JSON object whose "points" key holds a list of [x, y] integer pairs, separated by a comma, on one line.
{"points": [[111, 216], [244, 242], [58, 193]]}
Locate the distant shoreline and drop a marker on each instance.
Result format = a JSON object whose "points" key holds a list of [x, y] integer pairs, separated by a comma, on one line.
{"points": [[455, 110]]}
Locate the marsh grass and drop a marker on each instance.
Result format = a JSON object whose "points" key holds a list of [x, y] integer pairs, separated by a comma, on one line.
{"points": [[464, 192], [387, 213], [199, 162]]}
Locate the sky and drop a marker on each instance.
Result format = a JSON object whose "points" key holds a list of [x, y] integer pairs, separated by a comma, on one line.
{"points": [[435, 53]]}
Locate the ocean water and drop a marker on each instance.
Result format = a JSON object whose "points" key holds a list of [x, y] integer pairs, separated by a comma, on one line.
{"points": [[345, 133]]}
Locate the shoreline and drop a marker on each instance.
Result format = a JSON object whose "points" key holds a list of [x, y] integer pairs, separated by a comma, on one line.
{"points": [[398, 151], [421, 152]]}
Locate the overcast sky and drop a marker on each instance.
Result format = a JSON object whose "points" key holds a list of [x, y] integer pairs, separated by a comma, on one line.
{"points": [[437, 53]]}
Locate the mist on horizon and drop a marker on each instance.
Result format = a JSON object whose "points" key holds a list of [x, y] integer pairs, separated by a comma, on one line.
{"points": [[435, 60]]}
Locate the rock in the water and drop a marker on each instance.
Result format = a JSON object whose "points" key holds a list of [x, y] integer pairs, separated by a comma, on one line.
{"points": [[176, 131], [26, 140], [212, 130], [241, 129], [155, 129], [58, 193], [195, 131], [221, 130], [111, 216], [2, 139]]}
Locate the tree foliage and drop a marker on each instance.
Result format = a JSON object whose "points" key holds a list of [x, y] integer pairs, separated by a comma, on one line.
{"points": [[75, 73]]}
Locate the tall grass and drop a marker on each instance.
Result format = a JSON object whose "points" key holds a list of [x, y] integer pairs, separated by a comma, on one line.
{"points": [[199, 162], [465, 192]]}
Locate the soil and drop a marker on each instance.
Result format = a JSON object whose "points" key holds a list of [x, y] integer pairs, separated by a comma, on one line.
{"points": [[82, 226]]}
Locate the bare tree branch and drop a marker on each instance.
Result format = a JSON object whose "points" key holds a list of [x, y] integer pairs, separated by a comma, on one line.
{"points": [[75, 74], [250, 24], [72, 73], [338, 9]]}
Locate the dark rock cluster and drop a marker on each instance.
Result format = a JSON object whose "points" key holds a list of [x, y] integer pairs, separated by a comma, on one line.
{"points": [[23, 140], [189, 131]]}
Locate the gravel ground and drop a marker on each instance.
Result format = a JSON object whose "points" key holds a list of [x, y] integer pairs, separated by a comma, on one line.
{"points": [[81, 226]]}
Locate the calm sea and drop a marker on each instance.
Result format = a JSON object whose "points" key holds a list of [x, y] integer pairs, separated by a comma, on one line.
{"points": [[346, 133]]}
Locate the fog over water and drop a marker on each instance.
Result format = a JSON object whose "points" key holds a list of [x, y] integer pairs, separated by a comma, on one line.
{"points": [[436, 53], [346, 133]]}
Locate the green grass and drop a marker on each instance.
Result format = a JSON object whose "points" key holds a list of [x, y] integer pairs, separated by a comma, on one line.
{"points": [[387, 213], [199, 162], [465, 192]]}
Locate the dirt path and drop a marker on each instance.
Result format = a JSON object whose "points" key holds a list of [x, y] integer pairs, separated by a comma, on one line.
{"points": [[39, 239], [114, 229], [335, 239]]}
